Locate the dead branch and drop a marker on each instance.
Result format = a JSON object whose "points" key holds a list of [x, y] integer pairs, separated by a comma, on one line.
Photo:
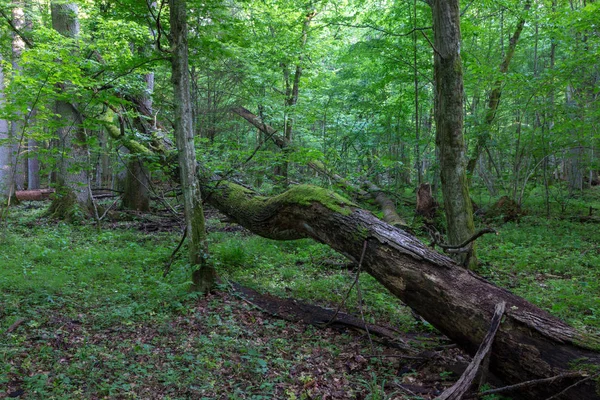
{"points": [[457, 391]]}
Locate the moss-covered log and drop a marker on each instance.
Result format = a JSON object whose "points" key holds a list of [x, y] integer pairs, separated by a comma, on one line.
{"points": [[531, 344]]}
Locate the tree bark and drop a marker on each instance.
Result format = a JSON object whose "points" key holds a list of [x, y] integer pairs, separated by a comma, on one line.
{"points": [[204, 275], [530, 344], [20, 156], [22, 21], [135, 195], [6, 188], [72, 194], [449, 125], [137, 181]]}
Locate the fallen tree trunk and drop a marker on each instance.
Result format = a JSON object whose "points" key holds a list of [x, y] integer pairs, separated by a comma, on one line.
{"points": [[530, 344], [34, 195]]}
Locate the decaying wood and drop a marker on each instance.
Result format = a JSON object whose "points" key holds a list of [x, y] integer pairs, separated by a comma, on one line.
{"points": [[521, 385], [457, 391], [387, 206], [45, 194], [426, 204], [298, 311], [530, 343]]}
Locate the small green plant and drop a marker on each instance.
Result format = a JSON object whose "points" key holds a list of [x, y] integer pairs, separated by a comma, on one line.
{"points": [[375, 389]]}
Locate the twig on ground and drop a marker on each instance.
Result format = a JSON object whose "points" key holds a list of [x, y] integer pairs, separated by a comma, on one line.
{"points": [[337, 311], [579, 382], [407, 390], [527, 384], [15, 325]]}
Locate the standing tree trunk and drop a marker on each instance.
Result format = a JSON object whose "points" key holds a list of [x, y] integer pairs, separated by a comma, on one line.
{"points": [[291, 96], [20, 156], [5, 149], [449, 125], [72, 187], [204, 275]]}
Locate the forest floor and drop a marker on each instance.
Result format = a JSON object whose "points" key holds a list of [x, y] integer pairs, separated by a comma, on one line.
{"points": [[86, 313]]}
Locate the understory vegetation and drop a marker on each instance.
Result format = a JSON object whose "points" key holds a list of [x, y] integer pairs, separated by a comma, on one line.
{"points": [[85, 312]]}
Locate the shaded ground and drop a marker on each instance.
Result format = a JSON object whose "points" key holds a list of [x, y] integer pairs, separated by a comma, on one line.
{"points": [[86, 314], [222, 348]]}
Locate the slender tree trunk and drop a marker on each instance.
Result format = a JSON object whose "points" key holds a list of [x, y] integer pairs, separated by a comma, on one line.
{"points": [[21, 22], [72, 186], [449, 124], [418, 162], [204, 275], [292, 91], [494, 100], [20, 156]]}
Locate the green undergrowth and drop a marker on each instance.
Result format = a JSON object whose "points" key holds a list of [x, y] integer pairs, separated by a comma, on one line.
{"points": [[553, 263], [306, 270], [87, 314]]}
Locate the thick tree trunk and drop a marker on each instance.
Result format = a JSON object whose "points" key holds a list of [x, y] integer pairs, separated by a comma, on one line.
{"points": [[530, 344], [20, 156], [449, 125], [72, 191], [135, 196]]}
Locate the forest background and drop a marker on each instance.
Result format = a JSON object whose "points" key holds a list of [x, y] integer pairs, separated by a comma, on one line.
{"points": [[288, 92]]}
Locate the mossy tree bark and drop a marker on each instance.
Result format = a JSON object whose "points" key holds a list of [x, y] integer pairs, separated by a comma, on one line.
{"points": [[72, 187], [530, 344], [204, 275], [449, 125]]}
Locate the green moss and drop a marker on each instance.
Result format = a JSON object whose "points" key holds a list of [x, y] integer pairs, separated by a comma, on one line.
{"points": [[239, 197], [589, 341], [307, 194], [115, 133], [64, 207]]}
